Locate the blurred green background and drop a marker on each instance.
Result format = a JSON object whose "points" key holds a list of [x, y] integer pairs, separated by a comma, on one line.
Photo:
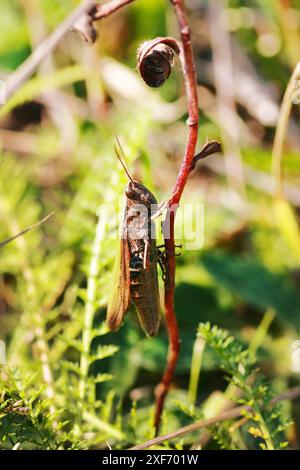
{"points": [[56, 142]]}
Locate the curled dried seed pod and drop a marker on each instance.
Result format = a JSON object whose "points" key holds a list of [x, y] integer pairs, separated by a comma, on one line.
{"points": [[156, 59]]}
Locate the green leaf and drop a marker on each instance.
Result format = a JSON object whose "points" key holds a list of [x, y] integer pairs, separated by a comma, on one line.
{"points": [[99, 378], [71, 366], [254, 283], [107, 350]]}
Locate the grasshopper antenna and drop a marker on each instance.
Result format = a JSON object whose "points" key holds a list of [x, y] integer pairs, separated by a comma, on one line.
{"points": [[121, 160], [123, 165]]}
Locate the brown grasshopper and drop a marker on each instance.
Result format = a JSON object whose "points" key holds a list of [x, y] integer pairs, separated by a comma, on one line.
{"points": [[136, 276]]}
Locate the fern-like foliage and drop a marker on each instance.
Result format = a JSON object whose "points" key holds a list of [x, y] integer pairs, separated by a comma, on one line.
{"points": [[265, 422], [25, 421]]}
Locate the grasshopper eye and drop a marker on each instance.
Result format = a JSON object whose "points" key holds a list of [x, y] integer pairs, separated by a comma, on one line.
{"points": [[131, 190]]}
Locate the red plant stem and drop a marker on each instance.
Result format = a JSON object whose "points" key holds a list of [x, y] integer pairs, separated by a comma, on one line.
{"points": [[171, 322], [189, 71]]}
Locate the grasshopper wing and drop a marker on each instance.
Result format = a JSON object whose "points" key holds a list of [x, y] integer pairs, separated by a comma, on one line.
{"points": [[120, 295]]}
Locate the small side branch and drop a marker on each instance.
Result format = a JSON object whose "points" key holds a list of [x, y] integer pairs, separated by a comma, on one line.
{"points": [[211, 147]]}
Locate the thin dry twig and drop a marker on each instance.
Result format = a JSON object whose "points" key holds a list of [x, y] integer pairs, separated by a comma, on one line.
{"points": [[107, 9], [85, 24], [17, 78], [227, 415], [291, 394], [31, 227]]}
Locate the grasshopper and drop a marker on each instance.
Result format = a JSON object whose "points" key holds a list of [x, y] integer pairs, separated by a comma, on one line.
{"points": [[135, 277]]}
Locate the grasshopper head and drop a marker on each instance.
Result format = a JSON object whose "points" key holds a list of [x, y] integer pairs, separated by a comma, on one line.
{"points": [[139, 193]]}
